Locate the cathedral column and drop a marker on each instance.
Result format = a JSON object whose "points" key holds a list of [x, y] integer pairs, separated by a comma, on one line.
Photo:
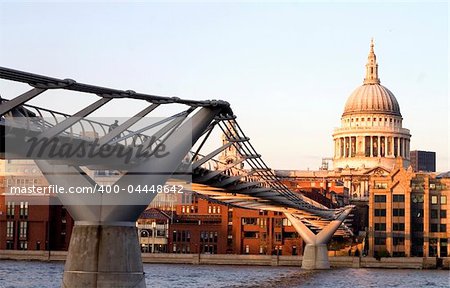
{"points": [[338, 153], [401, 147], [363, 146], [386, 152], [391, 146], [404, 145], [335, 148], [408, 148], [350, 146], [371, 146], [345, 146], [338, 141], [379, 146], [398, 146], [340, 147]]}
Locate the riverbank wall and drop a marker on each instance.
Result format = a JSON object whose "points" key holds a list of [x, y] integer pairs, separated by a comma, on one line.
{"points": [[251, 260]]}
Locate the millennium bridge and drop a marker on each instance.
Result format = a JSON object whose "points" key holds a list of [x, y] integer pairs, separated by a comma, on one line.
{"points": [[104, 249]]}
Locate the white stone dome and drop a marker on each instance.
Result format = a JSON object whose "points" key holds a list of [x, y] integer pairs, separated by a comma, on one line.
{"points": [[372, 98]]}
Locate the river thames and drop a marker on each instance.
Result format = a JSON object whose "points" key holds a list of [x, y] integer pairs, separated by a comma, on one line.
{"points": [[49, 274]]}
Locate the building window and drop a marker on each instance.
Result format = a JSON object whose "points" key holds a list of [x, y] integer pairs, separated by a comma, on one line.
{"points": [[250, 234], [263, 212], [23, 229], [399, 241], [380, 241], [277, 236], [398, 198], [278, 222], [398, 226], [380, 212], [433, 227], [10, 229], [262, 222], [249, 221], [380, 226], [442, 227], [398, 212], [23, 245], [434, 199], [416, 198], [434, 214], [433, 242], [443, 199], [286, 222], [380, 198], [10, 209], [380, 185], [9, 245], [443, 213], [23, 212]]}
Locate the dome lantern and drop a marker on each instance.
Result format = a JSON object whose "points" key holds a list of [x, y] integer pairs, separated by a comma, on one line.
{"points": [[372, 67]]}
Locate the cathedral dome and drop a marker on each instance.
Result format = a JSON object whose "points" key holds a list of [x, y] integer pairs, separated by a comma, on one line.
{"points": [[371, 133], [372, 97]]}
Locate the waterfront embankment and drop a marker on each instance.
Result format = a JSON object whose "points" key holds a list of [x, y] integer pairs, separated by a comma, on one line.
{"points": [[249, 260]]}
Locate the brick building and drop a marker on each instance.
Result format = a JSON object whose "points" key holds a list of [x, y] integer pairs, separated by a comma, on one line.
{"points": [[30, 222], [25, 226], [202, 226]]}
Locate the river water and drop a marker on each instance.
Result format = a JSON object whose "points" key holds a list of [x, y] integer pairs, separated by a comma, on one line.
{"points": [[43, 274]]}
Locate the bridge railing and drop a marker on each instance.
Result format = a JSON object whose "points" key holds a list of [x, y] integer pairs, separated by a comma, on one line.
{"points": [[41, 119]]}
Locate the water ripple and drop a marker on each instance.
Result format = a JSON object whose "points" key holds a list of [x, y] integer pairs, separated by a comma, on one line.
{"points": [[21, 274]]}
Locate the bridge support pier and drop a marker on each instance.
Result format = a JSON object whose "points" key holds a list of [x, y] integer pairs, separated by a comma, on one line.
{"points": [[315, 255], [105, 255]]}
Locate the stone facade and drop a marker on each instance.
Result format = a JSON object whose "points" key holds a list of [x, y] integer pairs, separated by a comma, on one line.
{"points": [[408, 214]]}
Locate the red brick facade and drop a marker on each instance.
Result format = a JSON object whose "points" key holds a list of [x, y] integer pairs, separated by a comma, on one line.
{"points": [[207, 227]]}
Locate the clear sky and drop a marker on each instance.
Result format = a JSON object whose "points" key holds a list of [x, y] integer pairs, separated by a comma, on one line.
{"points": [[287, 69]]}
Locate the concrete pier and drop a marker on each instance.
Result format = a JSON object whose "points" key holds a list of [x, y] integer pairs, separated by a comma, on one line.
{"points": [[316, 252], [315, 257], [104, 256]]}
